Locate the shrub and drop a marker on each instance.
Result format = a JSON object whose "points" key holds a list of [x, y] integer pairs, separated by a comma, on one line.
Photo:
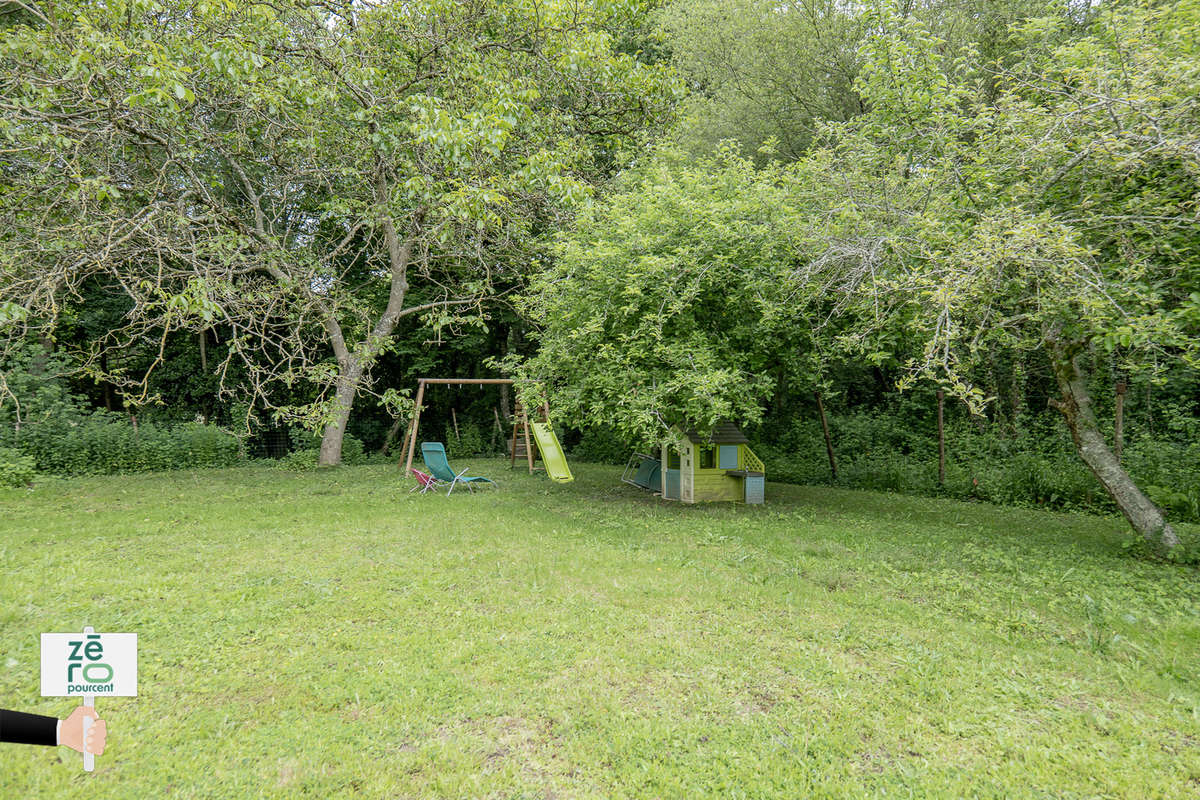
{"points": [[468, 442], [104, 443], [308, 443], [207, 445], [602, 446], [1037, 468], [16, 469], [299, 460]]}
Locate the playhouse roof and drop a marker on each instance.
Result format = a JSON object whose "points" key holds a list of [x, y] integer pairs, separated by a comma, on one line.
{"points": [[723, 433]]}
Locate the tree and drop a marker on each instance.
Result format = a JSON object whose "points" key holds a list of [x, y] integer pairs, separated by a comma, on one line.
{"points": [[1055, 215], [1059, 217], [763, 70], [648, 316], [305, 176], [770, 73]]}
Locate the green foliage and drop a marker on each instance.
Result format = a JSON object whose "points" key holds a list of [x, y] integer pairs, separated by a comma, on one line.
{"points": [[404, 163], [104, 443], [32, 389], [1042, 217], [763, 73], [602, 445], [299, 460], [969, 182], [1186, 553], [469, 441], [42, 419], [306, 447], [16, 468], [883, 450], [769, 75], [1042, 202], [666, 303]]}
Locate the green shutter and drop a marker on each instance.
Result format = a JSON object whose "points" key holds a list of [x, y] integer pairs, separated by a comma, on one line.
{"points": [[729, 456]]}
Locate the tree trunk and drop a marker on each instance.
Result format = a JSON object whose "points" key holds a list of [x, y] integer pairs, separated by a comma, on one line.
{"points": [[1076, 406], [1018, 389], [353, 364], [108, 392], [505, 405], [828, 438], [42, 356], [335, 430], [392, 433]]}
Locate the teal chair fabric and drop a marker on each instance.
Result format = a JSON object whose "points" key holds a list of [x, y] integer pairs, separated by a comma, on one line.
{"points": [[434, 454], [647, 474]]}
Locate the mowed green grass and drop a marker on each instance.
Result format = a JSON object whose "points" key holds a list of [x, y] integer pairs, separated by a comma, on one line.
{"points": [[329, 634]]}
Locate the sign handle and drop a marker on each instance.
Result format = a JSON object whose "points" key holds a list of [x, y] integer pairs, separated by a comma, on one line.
{"points": [[89, 701]]}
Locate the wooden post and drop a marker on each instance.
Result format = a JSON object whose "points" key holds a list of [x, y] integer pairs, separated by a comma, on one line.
{"points": [[1119, 422], [828, 438], [454, 418], [512, 450], [408, 433], [528, 444], [412, 439], [941, 397]]}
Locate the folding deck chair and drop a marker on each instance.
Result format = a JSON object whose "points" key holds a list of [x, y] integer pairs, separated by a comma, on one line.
{"points": [[434, 454], [425, 481], [642, 471]]}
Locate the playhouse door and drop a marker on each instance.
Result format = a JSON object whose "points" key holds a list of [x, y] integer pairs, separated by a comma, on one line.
{"points": [[672, 484]]}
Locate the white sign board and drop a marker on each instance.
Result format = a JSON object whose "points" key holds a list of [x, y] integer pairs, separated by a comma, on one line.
{"points": [[98, 664]]}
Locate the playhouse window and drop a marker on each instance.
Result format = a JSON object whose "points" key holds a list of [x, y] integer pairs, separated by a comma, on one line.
{"points": [[708, 457], [672, 459]]}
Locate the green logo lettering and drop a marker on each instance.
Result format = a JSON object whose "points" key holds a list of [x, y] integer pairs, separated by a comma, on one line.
{"points": [[87, 677]]}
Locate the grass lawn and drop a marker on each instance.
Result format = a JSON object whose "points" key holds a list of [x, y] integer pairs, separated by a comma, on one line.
{"points": [[329, 634]]}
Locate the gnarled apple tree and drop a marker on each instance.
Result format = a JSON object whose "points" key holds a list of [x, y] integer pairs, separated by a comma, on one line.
{"points": [[304, 176]]}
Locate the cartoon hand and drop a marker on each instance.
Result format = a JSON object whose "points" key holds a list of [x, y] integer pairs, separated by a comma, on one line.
{"points": [[72, 731]]}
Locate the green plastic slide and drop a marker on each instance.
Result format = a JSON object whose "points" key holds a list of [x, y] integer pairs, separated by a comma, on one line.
{"points": [[552, 454]]}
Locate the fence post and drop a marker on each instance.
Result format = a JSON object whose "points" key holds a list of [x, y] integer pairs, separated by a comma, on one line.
{"points": [[941, 398], [828, 439], [1119, 422]]}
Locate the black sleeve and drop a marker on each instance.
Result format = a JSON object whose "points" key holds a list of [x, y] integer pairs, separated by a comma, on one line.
{"points": [[22, 728]]}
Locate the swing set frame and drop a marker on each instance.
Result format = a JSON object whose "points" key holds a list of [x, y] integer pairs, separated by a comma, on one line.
{"points": [[520, 418]]}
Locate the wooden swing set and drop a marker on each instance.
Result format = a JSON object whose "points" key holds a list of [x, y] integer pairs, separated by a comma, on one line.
{"points": [[520, 419]]}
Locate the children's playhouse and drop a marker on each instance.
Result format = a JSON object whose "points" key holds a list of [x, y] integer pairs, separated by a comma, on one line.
{"points": [[720, 466]]}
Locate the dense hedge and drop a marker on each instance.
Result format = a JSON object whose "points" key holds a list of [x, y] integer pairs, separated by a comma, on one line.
{"points": [[103, 443], [1036, 467]]}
